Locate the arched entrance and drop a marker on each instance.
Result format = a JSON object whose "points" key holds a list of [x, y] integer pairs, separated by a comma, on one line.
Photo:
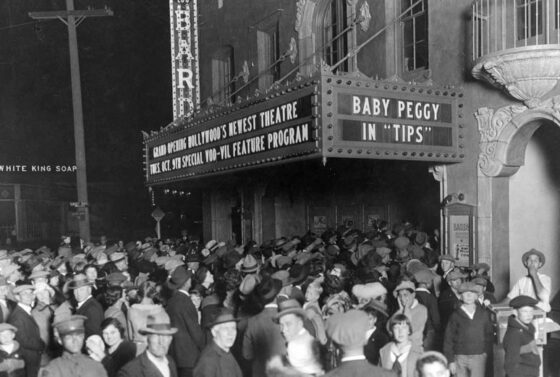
{"points": [[534, 194], [519, 192]]}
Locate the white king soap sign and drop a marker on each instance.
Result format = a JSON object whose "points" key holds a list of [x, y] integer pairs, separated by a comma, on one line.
{"points": [[184, 56]]}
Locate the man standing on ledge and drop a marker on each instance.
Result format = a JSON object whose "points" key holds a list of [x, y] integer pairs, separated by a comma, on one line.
{"points": [[535, 284]]}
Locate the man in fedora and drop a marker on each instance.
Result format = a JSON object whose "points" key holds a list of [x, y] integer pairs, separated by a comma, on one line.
{"points": [[154, 362], [263, 339], [534, 284], [28, 334], [86, 304], [70, 331], [216, 360], [301, 346], [188, 341]]}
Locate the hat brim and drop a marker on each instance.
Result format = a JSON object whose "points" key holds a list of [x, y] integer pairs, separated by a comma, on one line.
{"points": [[250, 269], [147, 331], [299, 311], [210, 325], [474, 290], [72, 286], [276, 288]]}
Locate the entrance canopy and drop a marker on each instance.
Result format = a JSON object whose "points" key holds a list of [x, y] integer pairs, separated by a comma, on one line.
{"points": [[326, 116]]}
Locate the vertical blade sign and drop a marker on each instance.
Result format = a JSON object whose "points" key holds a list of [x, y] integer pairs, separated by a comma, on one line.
{"points": [[184, 57]]}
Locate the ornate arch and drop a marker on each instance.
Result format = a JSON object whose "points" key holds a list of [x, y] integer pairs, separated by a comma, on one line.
{"points": [[505, 132]]}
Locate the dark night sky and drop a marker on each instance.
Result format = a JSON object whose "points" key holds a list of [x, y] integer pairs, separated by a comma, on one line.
{"points": [[126, 87]]}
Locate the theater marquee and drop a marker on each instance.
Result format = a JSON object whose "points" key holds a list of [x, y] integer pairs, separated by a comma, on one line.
{"points": [[334, 117], [279, 129], [388, 120]]}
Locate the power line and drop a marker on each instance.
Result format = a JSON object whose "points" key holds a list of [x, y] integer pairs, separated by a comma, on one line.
{"points": [[18, 25]]}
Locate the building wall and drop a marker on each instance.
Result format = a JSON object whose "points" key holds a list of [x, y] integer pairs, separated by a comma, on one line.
{"points": [[501, 202]]}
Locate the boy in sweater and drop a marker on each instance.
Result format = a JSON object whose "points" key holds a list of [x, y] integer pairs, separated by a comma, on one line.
{"points": [[468, 335]]}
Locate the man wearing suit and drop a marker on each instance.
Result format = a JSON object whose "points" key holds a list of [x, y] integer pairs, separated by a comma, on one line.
{"points": [[263, 339], [87, 305], [154, 362], [188, 341], [347, 330], [28, 335]]}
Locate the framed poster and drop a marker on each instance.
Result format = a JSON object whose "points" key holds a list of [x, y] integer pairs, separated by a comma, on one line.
{"points": [[460, 224]]}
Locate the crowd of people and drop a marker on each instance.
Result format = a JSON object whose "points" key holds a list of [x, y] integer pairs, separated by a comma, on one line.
{"points": [[342, 303]]}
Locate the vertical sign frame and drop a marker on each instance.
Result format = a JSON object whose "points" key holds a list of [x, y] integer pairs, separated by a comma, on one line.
{"points": [[460, 233], [185, 81]]}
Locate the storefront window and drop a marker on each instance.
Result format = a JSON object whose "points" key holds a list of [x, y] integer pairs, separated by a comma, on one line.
{"points": [[222, 76], [335, 34], [415, 34]]}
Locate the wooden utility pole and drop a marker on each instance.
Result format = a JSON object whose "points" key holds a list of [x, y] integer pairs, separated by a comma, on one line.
{"points": [[73, 18]]}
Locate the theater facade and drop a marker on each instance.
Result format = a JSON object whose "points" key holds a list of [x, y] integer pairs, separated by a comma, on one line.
{"points": [[296, 116]]}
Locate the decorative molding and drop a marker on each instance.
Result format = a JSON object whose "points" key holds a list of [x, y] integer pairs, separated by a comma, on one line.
{"points": [[505, 132], [300, 7], [526, 74], [437, 171], [293, 51], [365, 16]]}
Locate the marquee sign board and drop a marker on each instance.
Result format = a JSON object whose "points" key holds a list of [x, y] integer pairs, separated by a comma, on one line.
{"points": [[336, 117], [278, 129], [363, 118]]}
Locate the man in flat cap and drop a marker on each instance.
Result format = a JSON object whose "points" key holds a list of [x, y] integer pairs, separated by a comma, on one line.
{"points": [[450, 299], [521, 353], [216, 359], [70, 331], [86, 304], [535, 284], [188, 341], [347, 331], [28, 335], [154, 362]]}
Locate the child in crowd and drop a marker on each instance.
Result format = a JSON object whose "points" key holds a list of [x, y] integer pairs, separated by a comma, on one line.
{"points": [[522, 356], [468, 336]]}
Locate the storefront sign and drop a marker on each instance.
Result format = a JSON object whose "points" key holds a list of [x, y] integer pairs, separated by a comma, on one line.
{"points": [[373, 119], [184, 56], [282, 128]]}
